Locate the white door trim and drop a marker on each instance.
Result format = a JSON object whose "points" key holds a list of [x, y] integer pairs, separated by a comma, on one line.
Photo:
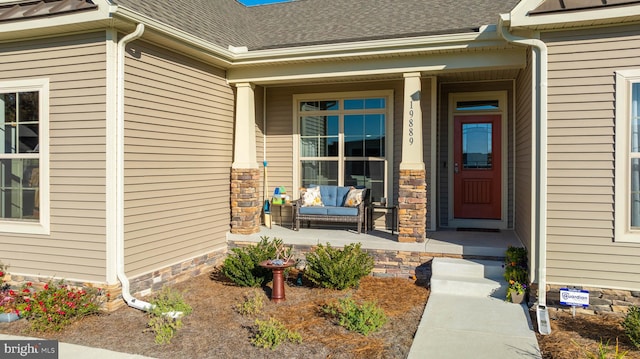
{"points": [[502, 110]]}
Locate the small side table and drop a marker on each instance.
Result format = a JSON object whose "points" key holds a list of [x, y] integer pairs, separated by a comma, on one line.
{"points": [[386, 207], [285, 204], [277, 292]]}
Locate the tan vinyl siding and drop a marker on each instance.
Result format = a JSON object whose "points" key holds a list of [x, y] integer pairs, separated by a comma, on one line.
{"points": [[581, 246], [523, 161], [178, 153], [75, 66]]}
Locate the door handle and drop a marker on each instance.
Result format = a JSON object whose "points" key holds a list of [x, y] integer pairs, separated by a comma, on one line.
{"points": [[456, 168]]}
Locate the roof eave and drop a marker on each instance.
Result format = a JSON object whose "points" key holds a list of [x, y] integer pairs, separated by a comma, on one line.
{"points": [[14, 30], [487, 36], [520, 17]]}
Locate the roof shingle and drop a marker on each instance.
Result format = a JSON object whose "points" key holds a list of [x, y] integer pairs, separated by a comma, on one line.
{"points": [[306, 22]]}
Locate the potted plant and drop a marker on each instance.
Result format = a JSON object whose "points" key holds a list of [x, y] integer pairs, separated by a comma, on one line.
{"points": [[516, 292], [516, 273]]}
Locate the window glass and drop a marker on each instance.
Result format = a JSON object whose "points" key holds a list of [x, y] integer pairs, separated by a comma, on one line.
{"points": [[319, 136], [476, 145], [19, 173], [375, 103], [319, 105], [319, 173], [477, 105], [355, 136], [369, 174]]}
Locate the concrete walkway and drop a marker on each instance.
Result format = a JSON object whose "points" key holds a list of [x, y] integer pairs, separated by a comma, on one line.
{"points": [[466, 315]]}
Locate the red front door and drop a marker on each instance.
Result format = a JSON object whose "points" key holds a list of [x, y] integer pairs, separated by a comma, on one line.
{"points": [[477, 173]]}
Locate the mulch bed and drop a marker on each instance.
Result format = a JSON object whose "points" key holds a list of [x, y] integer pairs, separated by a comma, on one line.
{"points": [[582, 335], [216, 330]]}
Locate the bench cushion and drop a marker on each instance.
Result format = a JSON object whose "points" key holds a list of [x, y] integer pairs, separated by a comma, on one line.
{"points": [[342, 211], [313, 210], [333, 195], [329, 210]]}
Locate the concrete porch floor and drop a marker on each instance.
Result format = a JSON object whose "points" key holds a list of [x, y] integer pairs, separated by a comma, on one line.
{"points": [[439, 243]]}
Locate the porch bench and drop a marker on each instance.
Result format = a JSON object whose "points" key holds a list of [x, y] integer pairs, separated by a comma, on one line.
{"points": [[333, 208]]}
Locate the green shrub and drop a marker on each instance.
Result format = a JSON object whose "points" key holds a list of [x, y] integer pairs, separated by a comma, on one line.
{"points": [[364, 319], [272, 333], [338, 269], [252, 304], [161, 320], [242, 265], [56, 305], [515, 265], [631, 325]]}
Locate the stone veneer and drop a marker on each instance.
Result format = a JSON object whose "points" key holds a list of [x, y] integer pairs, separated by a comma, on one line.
{"points": [[412, 206], [245, 201], [387, 263], [601, 300], [138, 286]]}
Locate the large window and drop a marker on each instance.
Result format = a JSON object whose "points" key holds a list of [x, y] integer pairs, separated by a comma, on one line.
{"points": [[21, 124], [343, 142], [627, 191]]}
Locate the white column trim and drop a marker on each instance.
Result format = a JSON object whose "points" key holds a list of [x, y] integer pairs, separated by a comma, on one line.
{"points": [[244, 146], [412, 144]]}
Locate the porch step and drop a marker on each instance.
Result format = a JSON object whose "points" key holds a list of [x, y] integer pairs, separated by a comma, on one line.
{"points": [[468, 277]]}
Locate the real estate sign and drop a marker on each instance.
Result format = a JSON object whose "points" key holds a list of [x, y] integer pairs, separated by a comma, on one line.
{"points": [[574, 297]]}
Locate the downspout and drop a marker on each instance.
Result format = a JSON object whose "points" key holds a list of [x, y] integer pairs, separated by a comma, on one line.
{"points": [[540, 134], [126, 295]]}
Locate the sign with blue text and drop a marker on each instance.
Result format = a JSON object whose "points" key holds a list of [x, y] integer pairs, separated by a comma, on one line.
{"points": [[574, 297]]}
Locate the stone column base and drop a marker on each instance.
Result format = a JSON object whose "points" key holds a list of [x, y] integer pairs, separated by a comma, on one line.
{"points": [[245, 201], [412, 206]]}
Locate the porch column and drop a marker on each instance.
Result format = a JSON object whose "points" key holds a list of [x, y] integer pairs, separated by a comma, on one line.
{"points": [[412, 193], [245, 173]]}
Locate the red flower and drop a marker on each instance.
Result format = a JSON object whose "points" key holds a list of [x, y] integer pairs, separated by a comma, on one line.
{"points": [[11, 292], [1, 274], [26, 290], [46, 286], [29, 284]]}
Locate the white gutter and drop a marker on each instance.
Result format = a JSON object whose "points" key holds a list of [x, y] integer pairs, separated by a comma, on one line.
{"points": [[539, 133], [126, 295]]}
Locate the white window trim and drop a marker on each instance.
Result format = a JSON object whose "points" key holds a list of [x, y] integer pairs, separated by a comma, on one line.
{"points": [[43, 225], [622, 217], [388, 162]]}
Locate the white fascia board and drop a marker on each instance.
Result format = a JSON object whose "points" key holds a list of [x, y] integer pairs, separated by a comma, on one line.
{"points": [[424, 63], [103, 12], [564, 19]]}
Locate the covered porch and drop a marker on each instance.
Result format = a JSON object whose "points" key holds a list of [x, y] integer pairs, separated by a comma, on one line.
{"points": [[441, 243], [402, 133]]}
